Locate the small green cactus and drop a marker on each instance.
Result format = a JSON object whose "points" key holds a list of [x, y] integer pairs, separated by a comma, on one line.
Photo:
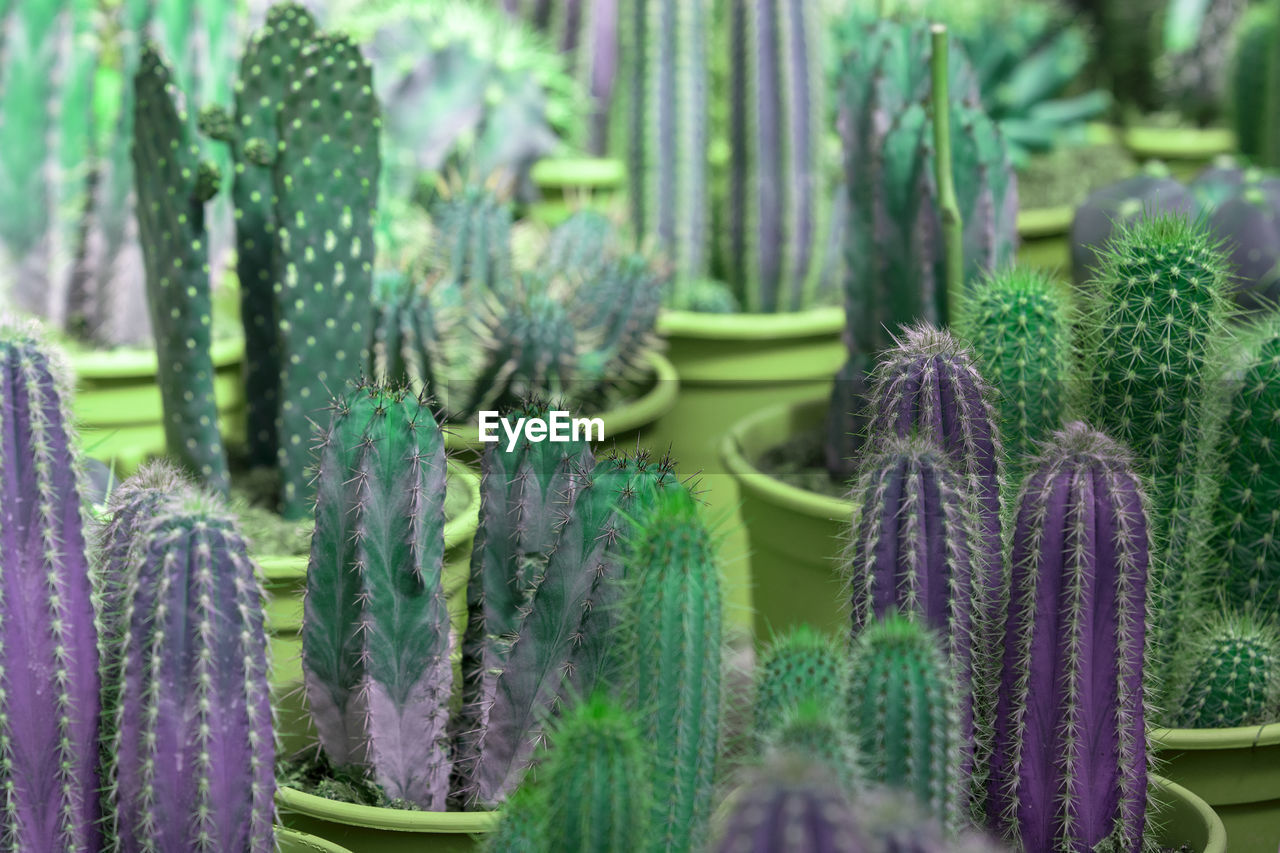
{"points": [[816, 731], [1235, 673], [800, 666]]}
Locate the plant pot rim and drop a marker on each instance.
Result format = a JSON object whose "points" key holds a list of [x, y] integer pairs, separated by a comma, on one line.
{"points": [[1054, 221], [1217, 842], [578, 171], [278, 568], [1179, 143], [810, 322], [735, 453], [309, 842], [1237, 737], [139, 362], [372, 817]]}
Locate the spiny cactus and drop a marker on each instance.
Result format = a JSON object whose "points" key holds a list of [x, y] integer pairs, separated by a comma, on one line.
{"points": [[791, 806], [667, 127], [1069, 758], [898, 824], [173, 186], [776, 216], [670, 643], [1250, 84], [375, 635], [192, 762], [471, 228], [411, 326], [1235, 673], [1015, 322], [519, 828], [905, 709], [48, 636], [816, 731], [800, 666]]}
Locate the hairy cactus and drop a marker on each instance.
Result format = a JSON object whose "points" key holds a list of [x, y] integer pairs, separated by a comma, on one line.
{"points": [[792, 806], [671, 645], [667, 127], [775, 227], [905, 709], [375, 639], [192, 762], [1016, 324], [1069, 761], [48, 637], [1235, 674], [800, 666], [173, 186]]}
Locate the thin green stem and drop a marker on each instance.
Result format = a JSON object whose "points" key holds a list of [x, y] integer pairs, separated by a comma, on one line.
{"points": [[949, 207]]}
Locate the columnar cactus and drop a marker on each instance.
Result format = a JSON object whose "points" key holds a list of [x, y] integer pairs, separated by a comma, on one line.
{"points": [[1069, 761], [775, 219], [792, 806], [1015, 323], [904, 708], [173, 186], [411, 325], [192, 763], [48, 637], [1235, 674], [519, 828], [671, 645], [1250, 84], [817, 731], [375, 641], [1194, 77], [800, 666], [472, 235]]}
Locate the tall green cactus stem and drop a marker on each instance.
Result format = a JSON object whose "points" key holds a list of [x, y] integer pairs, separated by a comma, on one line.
{"points": [[667, 127], [776, 223], [598, 772], [193, 754], [904, 708], [1235, 678], [375, 635], [791, 806], [173, 186], [1250, 84], [410, 329], [800, 666], [948, 204], [48, 636], [519, 828], [472, 236], [1016, 324], [671, 643], [1069, 758]]}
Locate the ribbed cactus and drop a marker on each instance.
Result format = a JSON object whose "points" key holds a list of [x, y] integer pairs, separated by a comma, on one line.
{"points": [[1250, 87], [667, 127], [791, 806], [192, 759], [472, 236], [800, 666], [776, 193], [817, 731], [904, 706], [412, 325], [1069, 760], [173, 185], [671, 648], [519, 828], [375, 637], [1016, 325], [1235, 673], [48, 637]]}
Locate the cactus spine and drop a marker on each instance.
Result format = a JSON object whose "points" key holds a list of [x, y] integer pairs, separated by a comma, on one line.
{"points": [[173, 186], [1069, 761], [1235, 677], [800, 666], [775, 219], [48, 637], [375, 643], [193, 754]]}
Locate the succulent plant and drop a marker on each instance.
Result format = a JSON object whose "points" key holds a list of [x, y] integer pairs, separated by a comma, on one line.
{"points": [[670, 647], [904, 707], [472, 231], [1248, 225], [1193, 76], [799, 666], [375, 641], [1069, 761], [173, 185], [791, 806], [192, 759], [49, 642], [412, 324], [815, 730], [1235, 675], [897, 824], [519, 828], [1251, 85]]}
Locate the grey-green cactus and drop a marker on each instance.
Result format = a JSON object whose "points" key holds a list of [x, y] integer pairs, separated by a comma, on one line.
{"points": [[1235, 673], [798, 667], [791, 806], [817, 731]]}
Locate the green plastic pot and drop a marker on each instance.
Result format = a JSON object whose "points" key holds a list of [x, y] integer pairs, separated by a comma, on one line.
{"points": [[292, 841], [1181, 818], [365, 829], [1185, 150], [286, 581], [732, 366], [566, 184], [117, 402], [1237, 771], [1044, 235]]}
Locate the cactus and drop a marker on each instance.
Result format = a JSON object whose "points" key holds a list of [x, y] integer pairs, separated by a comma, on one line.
{"points": [[326, 174], [1235, 678], [1194, 78], [670, 642], [798, 667], [192, 762], [815, 731], [1248, 224], [1105, 211], [1250, 83], [1069, 762], [48, 637], [904, 706], [897, 824], [172, 187], [472, 231], [1015, 322], [411, 326], [775, 191], [667, 128], [791, 806], [375, 641], [519, 828]]}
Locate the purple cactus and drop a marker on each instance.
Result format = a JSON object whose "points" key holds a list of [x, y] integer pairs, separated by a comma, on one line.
{"points": [[1069, 761], [48, 637]]}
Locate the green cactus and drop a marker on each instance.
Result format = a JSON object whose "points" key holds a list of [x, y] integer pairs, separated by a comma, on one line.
{"points": [[1250, 82], [472, 238], [1194, 78], [903, 707], [519, 828], [800, 666], [815, 730], [671, 646], [173, 186], [411, 327], [1016, 322], [375, 641], [1235, 674]]}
